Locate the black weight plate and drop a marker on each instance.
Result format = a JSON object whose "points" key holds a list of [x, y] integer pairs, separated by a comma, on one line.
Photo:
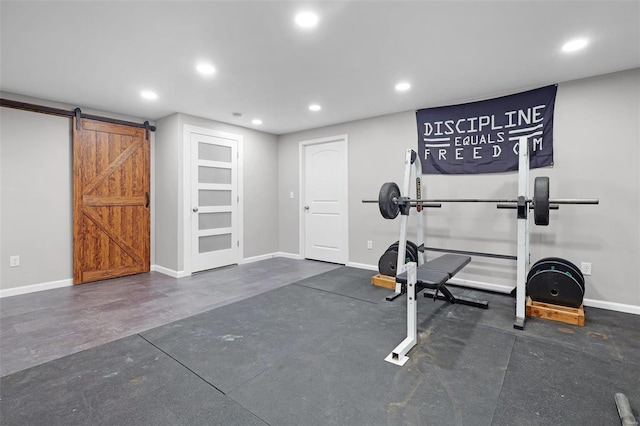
{"points": [[560, 267], [388, 262], [541, 200], [388, 192], [411, 251], [414, 248], [555, 287], [408, 254], [557, 262], [547, 262]]}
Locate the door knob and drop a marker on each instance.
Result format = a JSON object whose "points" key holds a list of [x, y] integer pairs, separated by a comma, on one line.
{"points": [[306, 207], [195, 210]]}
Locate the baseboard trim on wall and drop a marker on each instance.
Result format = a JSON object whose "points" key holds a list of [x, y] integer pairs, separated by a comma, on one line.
{"points": [[271, 256], [32, 288], [362, 266], [612, 306], [295, 256], [171, 272], [259, 258]]}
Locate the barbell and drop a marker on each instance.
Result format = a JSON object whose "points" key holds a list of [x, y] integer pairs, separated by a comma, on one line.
{"points": [[390, 201]]}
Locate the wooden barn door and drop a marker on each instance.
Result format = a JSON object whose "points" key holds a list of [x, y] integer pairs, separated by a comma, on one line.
{"points": [[111, 230]]}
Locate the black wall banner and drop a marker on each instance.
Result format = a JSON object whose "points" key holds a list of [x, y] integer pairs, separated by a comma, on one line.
{"points": [[482, 137]]}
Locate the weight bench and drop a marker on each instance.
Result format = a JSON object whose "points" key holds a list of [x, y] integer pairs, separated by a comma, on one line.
{"points": [[432, 275]]}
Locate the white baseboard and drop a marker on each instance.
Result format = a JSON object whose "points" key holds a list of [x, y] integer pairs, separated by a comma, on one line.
{"points": [[16, 291], [259, 258], [271, 256], [362, 266], [288, 255], [170, 272], [612, 306]]}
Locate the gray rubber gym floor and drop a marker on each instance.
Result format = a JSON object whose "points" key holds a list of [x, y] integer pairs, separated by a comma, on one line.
{"points": [[312, 353]]}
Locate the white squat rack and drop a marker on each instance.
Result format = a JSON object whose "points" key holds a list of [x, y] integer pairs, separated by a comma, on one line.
{"points": [[523, 251]]}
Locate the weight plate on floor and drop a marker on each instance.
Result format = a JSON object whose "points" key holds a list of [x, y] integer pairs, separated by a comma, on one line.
{"points": [[388, 208], [555, 287], [541, 200], [414, 248], [547, 262], [411, 251], [388, 262]]}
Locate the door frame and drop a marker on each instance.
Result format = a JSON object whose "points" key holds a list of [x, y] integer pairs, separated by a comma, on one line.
{"points": [[301, 189], [184, 209]]}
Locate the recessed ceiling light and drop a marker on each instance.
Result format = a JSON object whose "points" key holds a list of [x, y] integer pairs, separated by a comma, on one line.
{"points": [[575, 44], [306, 19], [403, 86], [257, 121], [205, 68], [315, 107], [148, 94]]}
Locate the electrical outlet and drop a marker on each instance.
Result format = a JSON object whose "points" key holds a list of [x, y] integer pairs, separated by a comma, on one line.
{"points": [[585, 268], [370, 245], [291, 194], [14, 261]]}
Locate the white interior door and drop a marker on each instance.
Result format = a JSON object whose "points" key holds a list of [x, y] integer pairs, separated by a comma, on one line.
{"points": [[325, 214], [214, 199]]}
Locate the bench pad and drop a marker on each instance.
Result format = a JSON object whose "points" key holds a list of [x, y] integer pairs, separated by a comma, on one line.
{"points": [[437, 271], [426, 277], [448, 263]]}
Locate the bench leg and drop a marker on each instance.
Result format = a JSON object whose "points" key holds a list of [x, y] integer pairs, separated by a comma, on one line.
{"points": [[449, 297], [459, 299]]}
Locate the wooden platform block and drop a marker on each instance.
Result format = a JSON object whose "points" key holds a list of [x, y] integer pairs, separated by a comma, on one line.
{"points": [[564, 314], [384, 281]]}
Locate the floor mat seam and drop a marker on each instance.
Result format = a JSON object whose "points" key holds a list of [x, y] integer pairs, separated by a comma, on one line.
{"points": [[182, 364], [504, 376], [337, 294]]}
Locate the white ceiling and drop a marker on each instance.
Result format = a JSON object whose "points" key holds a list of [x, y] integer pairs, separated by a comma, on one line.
{"points": [[102, 54]]}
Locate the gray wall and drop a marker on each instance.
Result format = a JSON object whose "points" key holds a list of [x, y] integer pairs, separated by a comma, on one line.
{"points": [[36, 194], [36, 188], [36, 197], [260, 204], [597, 154], [168, 190]]}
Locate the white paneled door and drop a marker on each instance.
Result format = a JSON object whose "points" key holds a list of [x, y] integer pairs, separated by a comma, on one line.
{"points": [[214, 201], [325, 214]]}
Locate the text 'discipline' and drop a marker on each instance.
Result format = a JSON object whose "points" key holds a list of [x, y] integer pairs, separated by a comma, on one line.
{"points": [[482, 137]]}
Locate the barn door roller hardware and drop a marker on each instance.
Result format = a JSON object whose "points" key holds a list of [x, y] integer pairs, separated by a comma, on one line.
{"points": [[77, 113]]}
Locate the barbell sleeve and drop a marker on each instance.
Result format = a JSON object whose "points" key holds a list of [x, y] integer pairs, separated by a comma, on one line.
{"points": [[574, 201]]}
